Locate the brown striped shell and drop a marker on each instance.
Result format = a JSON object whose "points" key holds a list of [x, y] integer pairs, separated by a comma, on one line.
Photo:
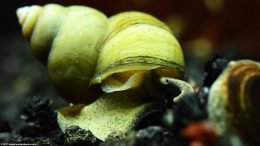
{"points": [[234, 100]]}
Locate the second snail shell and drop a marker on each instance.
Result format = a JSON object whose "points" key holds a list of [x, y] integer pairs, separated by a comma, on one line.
{"points": [[84, 49], [234, 103]]}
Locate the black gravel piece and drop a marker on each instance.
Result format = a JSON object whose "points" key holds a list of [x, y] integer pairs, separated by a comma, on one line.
{"points": [[41, 121], [202, 99], [14, 139], [45, 141], [186, 111], [39, 117], [154, 136], [213, 68], [150, 136], [75, 136], [39, 141]]}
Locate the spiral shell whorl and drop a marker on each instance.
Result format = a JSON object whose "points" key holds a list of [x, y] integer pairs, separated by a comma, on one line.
{"points": [[75, 50], [244, 106], [145, 44], [125, 19], [22, 13], [68, 40], [40, 25], [240, 79], [28, 17], [233, 104]]}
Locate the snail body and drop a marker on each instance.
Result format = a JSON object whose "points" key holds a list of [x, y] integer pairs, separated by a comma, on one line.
{"points": [[84, 49], [233, 104]]}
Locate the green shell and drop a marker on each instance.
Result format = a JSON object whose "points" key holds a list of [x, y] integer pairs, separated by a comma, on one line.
{"points": [[84, 49]]}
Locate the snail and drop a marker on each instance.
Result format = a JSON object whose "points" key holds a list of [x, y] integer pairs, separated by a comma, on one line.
{"points": [[234, 103], [93, 61]]}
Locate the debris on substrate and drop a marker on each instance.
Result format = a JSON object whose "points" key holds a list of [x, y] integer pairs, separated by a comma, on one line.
{"points": [[181, 124], [39, 125], [75, 136]]}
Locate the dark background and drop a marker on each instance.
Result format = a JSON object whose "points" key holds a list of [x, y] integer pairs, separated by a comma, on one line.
{"points": [[203, 27]]}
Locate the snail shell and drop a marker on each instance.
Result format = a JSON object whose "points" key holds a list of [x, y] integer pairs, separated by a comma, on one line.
{"points": [[234, 104], [84, 49]]}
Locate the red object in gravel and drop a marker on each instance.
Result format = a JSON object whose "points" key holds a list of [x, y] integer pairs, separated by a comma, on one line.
{"points": [[199, 134]]}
